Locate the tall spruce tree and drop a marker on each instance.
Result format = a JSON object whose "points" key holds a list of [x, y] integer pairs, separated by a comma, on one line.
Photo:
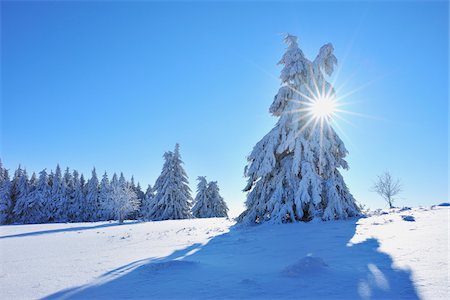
{"points": [[173, 195], [23, 206], [75, 209], [218, 207], [41, 196], [201, 202], [147, 203], [91, 205], [293, 172], [5, 195]]}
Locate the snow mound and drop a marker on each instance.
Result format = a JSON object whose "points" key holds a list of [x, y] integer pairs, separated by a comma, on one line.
{"points": [[408, 218], [307, 264]]}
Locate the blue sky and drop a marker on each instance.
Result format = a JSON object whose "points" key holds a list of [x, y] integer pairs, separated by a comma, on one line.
{"points": [[115, 84]]}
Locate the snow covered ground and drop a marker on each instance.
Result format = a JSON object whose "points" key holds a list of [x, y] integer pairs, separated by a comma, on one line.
{"points": [[403, 254]]}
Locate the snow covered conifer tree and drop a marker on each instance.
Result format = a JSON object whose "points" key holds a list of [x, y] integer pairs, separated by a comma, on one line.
{"points": [[173, 195], [91, 206], [105, 212], [74, 208], [68, 192], [218, 207], [140, 194], [293, 171], [5, 195], [41, 195], [58, 197], [208, 202], [147, 203], [201, 207], [21, 211]]}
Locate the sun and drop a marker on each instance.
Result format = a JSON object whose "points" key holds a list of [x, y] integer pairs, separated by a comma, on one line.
{"points": [[323, 107]]}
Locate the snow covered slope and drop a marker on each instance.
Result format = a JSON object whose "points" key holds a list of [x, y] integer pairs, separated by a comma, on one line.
{"points": [[403, 254]]}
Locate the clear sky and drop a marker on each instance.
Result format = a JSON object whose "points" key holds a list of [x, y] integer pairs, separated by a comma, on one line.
{"points": [[115, 84]]}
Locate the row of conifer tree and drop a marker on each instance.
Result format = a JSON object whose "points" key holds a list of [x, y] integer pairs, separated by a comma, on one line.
{"points": [[68, 197]]}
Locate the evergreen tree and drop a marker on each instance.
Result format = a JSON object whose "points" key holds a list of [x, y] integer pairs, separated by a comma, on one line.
{"points": [[201, 207], [105, 199], [92, 198], [68, 192], [5, 195], [218, 207], [293, 171], [147, 203], [23, 207], [208, 202], [173, 195], [75, 209], [140, 194], [40, 196], [59, 212]]}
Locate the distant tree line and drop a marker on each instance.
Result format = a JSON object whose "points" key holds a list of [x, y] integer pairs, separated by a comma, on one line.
{"points": [[68, 197]]}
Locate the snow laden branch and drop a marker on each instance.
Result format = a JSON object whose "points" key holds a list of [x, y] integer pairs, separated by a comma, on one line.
{"points": [[293, 172]]}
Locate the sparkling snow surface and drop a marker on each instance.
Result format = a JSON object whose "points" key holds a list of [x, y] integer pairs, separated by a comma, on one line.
{"points": [[386, 256]]}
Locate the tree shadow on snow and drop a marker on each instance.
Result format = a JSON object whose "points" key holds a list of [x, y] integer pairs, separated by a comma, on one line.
{"points": [[311, 261], [68, 229]]}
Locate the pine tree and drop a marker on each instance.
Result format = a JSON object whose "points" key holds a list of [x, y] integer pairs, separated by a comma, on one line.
{"points": [[68, 192], [5, 195], [201, 207], [23, 207], [293, 171], [140, 194], [91, 200], [173, 195], [59, 212], [147, 203], [75, 209], [208, 202], [218, 207], [41, 195], [105, 199]]}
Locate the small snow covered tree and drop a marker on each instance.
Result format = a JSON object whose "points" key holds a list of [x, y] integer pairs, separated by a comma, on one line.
{"points": [[173, 195], [293, 172], [147, 203], [91, 205], [218, 207], [387, 187], [208, 202], [5, 195], [123, 200]]}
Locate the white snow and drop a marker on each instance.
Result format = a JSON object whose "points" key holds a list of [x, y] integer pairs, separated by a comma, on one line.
{"points": [[382, 256]]}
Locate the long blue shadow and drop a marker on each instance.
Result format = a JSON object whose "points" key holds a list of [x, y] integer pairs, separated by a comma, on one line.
{"points": [[79, 228], [250, 263]]}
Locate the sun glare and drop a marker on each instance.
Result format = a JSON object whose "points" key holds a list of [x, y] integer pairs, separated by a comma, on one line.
{"points": [[323, 108]]}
